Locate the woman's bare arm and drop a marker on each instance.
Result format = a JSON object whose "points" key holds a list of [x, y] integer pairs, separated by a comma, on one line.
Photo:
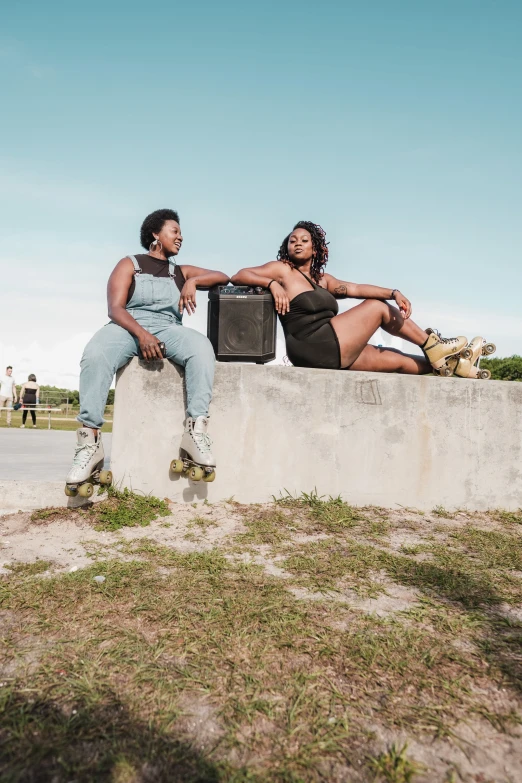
{"points": [[197, 277], [117, 293], [260, 275], [204, 278], [271, 273], [344, 290]]}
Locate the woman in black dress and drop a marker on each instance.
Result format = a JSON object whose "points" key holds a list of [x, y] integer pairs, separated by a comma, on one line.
{"points": [[317, 335]]}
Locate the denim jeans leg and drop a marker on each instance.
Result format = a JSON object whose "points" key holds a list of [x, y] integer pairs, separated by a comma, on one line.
{"points": [[108, 350], [193, 351]]}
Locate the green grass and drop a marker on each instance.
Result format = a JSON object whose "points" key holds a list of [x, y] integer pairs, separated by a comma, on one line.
{"points": [[29, 569], [195, 666], [118, 510], [129, 653], [58, 421], [395, 767]]}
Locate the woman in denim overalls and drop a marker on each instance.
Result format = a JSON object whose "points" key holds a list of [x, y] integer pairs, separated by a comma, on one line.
{"points": [[146, 312]]}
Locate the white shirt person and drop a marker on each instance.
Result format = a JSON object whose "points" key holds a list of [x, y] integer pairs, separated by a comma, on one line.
{"points": [[8, 393]]}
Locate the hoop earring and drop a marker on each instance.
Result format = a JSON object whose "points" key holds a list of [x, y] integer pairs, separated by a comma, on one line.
{"points": [[156, 245]]}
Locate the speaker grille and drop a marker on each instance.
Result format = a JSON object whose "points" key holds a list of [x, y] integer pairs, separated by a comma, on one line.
{"points": [[242, 329]]}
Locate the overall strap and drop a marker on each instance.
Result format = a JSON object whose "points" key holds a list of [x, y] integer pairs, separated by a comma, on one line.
{"points": [[172, 269], [314, 285], [137, 268]]}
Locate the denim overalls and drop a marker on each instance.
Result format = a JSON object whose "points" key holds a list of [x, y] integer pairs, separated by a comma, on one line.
{"points": [[155, 306]]}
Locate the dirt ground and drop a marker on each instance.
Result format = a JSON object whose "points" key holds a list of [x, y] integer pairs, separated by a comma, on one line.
{"points": [[409, 642]]}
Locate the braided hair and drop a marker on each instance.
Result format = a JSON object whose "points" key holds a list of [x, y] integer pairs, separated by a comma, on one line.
{"points": [[319, 246]]}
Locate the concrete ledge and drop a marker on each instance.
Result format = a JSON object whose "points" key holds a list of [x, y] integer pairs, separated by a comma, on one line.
{"points": [[373, 438], [30, 495]]}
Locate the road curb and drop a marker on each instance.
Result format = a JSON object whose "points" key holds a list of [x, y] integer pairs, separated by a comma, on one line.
{"points": [[30, 495]]}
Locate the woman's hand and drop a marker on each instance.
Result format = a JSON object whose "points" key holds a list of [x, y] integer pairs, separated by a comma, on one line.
{"points": [[187, 297], [281, 300], [403, 304], [149, 347]]}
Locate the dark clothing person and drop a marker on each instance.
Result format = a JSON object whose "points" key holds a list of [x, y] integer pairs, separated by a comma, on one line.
{"points": [[310, 338], [29, 397]]}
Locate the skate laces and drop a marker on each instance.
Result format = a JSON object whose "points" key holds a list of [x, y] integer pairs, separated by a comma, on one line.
{"points": [[203, 441], [83, 454], [445, 340]]}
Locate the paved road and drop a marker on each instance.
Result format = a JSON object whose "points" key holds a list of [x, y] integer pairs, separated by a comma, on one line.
{"points": [[39, 455]]}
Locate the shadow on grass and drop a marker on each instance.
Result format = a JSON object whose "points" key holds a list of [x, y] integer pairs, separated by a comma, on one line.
{"points": [[456, 579], [501, 642], [41, 743]]}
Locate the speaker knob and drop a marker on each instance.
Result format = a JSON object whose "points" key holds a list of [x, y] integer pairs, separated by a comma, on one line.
{"points": [[258, 289]]}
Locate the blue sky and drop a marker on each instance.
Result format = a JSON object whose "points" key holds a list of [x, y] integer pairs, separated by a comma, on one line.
{"points": [[396, 125]]}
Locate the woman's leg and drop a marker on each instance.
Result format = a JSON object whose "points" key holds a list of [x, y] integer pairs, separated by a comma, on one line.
{"points": [[33, 417], [355, 327], [24, 416], [193, 351], [377, 359], [110, 348]]}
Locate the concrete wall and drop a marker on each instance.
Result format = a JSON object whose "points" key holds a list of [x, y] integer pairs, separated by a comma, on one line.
{"points": [[373, 438]]}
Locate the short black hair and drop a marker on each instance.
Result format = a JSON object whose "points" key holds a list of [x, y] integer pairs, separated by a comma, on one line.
{"points": [[8, 367], [153, 224], [32, 378]]}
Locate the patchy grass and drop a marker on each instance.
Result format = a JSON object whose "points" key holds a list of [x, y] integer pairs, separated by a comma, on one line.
{"points": [[199, 666], [440, 511], [29, 569], [119, 509], [394, 766], [509, 517], [127, 509]]}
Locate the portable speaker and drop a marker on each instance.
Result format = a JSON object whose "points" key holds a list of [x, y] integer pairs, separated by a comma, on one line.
{"points": [[241, 324]]}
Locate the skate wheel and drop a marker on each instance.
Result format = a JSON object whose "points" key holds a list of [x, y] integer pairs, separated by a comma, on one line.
{"points": [[85, 490], [70, 492], [489, 348], [484, 375], [195, 474], [105, 477], [176, 466], [446, 372], [467, 353], [208, 477]]}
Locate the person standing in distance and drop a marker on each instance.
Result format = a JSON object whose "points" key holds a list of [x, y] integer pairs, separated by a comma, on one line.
{"points": [[29, 397], [147, 295], [8, 393]]}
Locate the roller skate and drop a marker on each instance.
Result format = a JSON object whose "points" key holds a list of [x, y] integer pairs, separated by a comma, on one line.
{"points": [[87, 467], [467, 364], [196, 460], [438, 350]]}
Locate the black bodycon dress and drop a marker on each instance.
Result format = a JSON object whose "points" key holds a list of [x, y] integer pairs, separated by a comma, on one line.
{"points": [[311, 340]]}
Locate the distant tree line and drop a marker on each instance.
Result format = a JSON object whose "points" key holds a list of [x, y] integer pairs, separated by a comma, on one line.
{"points": [[508, 369]]}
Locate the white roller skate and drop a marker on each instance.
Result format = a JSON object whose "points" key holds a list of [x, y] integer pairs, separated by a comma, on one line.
{"points": [[438, 350], [196, 459], [467, 364], [87, 466]]}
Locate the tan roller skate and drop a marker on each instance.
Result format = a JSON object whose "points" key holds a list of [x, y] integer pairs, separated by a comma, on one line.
{"points": [[467, 364], [438, 350]]}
